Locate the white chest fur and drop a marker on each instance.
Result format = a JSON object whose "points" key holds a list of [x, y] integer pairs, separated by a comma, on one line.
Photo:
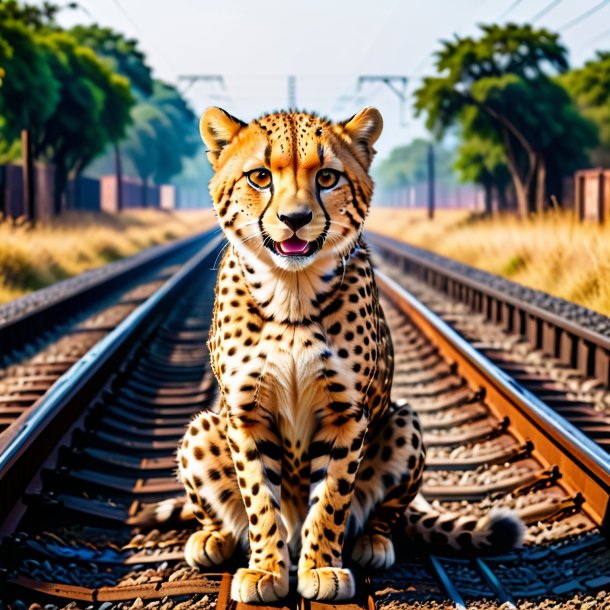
{"points": [[291, 380]]}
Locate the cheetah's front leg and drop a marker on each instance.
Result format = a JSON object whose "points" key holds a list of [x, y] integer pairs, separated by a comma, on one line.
{"points": [[258, 466], [335, 456]]}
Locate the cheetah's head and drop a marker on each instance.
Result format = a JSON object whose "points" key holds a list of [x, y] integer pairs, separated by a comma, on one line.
{"points": [[291, 188]]}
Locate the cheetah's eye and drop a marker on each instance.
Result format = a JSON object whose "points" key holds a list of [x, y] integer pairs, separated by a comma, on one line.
{"points": [[259, 178], [327, 178]]}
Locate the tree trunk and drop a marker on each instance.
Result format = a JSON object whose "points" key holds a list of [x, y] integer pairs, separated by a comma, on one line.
{"points": [[61, 181], [145, 191], [29, 205], [521, 193], [431, 178], [118, 172], [540, 184], [487, 188], [502, 200], [521, 187]]}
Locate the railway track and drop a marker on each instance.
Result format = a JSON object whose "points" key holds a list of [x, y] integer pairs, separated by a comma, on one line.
{"points": [[565, 363], [42, 337], [99, 449]]}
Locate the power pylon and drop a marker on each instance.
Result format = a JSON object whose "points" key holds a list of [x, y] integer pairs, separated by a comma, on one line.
{"points": [[398, 84], [292, 92], [191, 79]]}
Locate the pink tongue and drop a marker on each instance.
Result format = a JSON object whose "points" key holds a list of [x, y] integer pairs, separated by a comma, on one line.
{"points": [[294, 245]]}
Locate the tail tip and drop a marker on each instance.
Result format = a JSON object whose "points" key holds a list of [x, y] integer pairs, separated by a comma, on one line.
{"points": [[506, 530]]}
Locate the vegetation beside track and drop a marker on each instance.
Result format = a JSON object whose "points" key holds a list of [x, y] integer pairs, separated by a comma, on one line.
{"points": [[553, 253], [32, 258]]}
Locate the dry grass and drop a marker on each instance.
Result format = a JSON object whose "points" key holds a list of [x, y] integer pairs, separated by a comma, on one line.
{"points": [[34, 258], [553, 253]]}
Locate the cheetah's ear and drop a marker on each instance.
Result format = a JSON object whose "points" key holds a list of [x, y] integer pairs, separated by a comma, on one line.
{"points": [[217, 128], [362, 131]]}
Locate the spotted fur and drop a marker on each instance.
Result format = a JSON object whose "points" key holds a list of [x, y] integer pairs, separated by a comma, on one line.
{"points": [[305, 453]]}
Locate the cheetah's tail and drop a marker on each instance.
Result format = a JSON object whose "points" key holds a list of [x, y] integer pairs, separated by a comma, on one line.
{"points": [[498, 531], [165, 512]]}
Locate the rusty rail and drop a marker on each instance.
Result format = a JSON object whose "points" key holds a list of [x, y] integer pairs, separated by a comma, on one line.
{"points": [[584, 465], [113, 444]]}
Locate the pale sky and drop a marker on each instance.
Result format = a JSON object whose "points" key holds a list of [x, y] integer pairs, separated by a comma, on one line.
{"points": [[326, 45]]}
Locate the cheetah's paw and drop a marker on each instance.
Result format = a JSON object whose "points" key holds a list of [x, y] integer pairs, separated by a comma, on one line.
{"points": [[209, 548], [374, 551], [327, 584], [251, 585]]}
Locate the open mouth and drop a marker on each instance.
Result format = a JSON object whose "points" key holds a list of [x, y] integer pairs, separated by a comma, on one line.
{"points": [[294, 247]]}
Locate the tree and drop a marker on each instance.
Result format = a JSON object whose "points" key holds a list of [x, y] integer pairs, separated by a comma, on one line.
{"points": [[500, 87], [483, 162], [182, 139], [125, 58], [122, 54], [29, 93], [193, 180], [407, 166], [163, 133], [590, 88], [93, 110], [141, 145]]}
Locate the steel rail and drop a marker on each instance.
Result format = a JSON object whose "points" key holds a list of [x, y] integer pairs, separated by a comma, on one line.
{"points": [[576, 346], [24, 328], [34, 435], [584, 466]]}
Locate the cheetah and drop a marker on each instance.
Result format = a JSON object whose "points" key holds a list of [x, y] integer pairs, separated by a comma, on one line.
{"points": [[305, 457]]}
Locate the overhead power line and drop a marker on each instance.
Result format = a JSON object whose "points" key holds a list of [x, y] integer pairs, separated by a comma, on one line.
{"points": [[583, 16], [509, 10], [547, 9], [128, 17], [597, 38]]}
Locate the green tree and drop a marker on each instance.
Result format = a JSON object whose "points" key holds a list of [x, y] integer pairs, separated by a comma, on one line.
{"points": [[483, 162], [163, 134], [194, 178], [407, 166], [501, 88], [124, 57], [590, 88], [33, 16], [93, 110], [29, 92], [141, 146]]}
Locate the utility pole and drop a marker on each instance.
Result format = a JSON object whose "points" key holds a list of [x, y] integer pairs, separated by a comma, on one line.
{"points": [[431, 181], [398, 84], [292, 92], [191, 79]]}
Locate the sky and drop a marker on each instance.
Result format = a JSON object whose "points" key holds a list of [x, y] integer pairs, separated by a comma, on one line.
{"points": [[326, 45]]}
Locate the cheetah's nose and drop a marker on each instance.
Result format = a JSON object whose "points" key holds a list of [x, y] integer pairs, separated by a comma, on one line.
{"points": [[296, 220]]}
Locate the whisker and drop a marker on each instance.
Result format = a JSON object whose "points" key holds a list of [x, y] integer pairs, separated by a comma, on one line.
{"points": [[340, 224]]}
